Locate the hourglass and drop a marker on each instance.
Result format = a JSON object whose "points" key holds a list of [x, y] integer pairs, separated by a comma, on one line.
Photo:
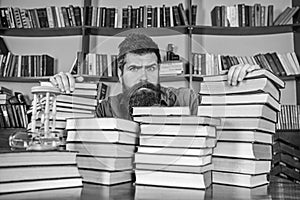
{"points": [[44, 136]]}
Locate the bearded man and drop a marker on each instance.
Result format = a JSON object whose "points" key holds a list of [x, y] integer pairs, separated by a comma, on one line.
{"points": [[138, 62]]}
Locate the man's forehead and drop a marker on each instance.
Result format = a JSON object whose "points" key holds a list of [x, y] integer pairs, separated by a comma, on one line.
{"points": [[140, 58]]}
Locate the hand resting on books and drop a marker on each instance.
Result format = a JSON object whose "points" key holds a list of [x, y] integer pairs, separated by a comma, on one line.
{"points": [[238, 72], [65, 81]]}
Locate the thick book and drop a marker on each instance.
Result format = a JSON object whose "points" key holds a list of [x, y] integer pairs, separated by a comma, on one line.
{"points": [[227, 111], [33, 173], [243, 150], [228, 192], [260, 85], [178, 130], [160, 111], [192, 120], [32, 158], [175, 151], [102, 124], [240, 99], [242, 180], [177, 141], [240, 165], [172, 159], [86, 86], [174, 168], [288, 137], [248, 124], [105, 177], [102, 149], [76, 100], [245, 136], [173, 179], [104, 163], [169, 193], [262, 73], [25, 186], [109, 136]]}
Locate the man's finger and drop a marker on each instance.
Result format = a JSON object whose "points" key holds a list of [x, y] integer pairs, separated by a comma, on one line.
{"points": [[253, 67], [65, 82], [71, 81], [243, 72], [59, 82], [230, 74]]}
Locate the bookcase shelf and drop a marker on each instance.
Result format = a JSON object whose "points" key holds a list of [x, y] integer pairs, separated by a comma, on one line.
{"points": [[122, 32], [41, 32], [24, 79], [259, 30]]}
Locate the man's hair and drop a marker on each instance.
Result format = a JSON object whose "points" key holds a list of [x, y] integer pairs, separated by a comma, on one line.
{"points": [[137, 43]]}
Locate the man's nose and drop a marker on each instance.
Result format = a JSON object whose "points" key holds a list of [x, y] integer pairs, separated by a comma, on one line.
{"points": [[143, 76]]}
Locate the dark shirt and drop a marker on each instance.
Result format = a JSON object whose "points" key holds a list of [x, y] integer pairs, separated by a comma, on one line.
{"points": [[115, 106]]}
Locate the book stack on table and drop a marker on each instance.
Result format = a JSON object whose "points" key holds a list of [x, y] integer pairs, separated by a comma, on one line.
{"points": [[105, 148], [286, 158], [243, 154], [175, 148], [24, 171]]}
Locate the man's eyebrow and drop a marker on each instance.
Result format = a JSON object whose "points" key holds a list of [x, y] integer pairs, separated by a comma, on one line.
{"points": [[134, 65]]}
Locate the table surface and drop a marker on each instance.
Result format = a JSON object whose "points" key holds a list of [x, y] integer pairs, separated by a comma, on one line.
{"points": [[278, 188]]}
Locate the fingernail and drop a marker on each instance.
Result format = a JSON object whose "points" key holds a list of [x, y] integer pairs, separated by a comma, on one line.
{"points": [[233, 83], [240, 79]]}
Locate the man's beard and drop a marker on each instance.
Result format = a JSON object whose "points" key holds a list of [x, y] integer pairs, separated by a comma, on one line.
{"points": [[143, 94]]}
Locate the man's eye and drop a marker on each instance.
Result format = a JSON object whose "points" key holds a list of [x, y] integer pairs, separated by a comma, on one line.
{"points": [[133, 69], [151, 68]]}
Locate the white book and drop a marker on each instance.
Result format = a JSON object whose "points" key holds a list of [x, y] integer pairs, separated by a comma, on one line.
{"points": [[102, 124], [174, 168], [179, 130], [172, 159], [258, 111], [240, 99], [105, 177], [243, 150], [240, 165], [259, 85], [175, 151], [102, 149], [40, 185], [175, 141], [241, 180], [104, 163], [247, 124], [109, 136], [245, 136], [161, 111], [173, 179], [177, 120]]}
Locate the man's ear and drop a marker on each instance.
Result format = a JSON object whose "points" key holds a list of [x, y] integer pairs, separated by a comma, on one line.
{"points": [[120, 75]]}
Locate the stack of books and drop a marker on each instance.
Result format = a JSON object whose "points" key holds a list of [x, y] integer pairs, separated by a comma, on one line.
{"points": [[286, 158], [105, 148], [175, 148], [38, 170], [243, 153], [80, 103]]}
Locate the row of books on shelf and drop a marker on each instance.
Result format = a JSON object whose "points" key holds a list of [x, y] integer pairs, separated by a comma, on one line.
{"points": [[281, 64], [243, 15], [13, 107], [72, 16], [288, 118], [13, 65], [95, 64]]}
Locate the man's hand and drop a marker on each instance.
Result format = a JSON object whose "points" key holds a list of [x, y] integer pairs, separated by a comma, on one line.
{"points": [[238, 72], [65, 81]]}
